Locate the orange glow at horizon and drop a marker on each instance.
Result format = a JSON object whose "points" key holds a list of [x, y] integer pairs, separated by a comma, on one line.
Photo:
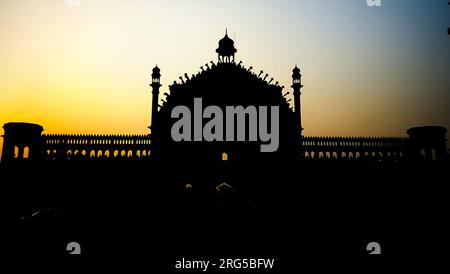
{"points": [[80, 70]]}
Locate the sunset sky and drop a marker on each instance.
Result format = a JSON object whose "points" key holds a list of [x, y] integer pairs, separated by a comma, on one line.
{"points": [[86, 69]]}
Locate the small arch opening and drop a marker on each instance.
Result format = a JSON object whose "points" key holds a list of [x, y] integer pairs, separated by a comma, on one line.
{"points": [[224, 156], [26, 153], [16, 152]]}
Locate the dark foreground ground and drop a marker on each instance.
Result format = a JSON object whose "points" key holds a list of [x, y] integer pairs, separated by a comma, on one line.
{"points": [[303, 215]]}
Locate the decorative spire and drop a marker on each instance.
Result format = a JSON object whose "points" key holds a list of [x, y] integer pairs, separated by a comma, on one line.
{"points": [[156, 76], [297, 85]]}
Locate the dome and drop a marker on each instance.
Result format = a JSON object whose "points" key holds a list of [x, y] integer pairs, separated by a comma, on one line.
{"points": [[226, 42], [226, 46]]}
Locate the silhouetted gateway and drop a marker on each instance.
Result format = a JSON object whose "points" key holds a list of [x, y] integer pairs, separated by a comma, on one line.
{"points": [[134, 193], [224, 85]]}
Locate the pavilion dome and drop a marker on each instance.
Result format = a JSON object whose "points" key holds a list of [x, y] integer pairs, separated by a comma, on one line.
{"points": [[226, 46]]}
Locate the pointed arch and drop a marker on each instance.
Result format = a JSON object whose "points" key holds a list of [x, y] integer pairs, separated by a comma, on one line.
{"points": [[16, 152], [224, 156], [26, 152]]}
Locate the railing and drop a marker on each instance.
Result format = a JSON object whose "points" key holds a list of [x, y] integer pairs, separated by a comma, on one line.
{"points": [[352, 148], [69, 147]]}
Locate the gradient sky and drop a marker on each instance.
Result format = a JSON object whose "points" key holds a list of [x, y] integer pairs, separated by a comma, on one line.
{"points": [[86, 69]]}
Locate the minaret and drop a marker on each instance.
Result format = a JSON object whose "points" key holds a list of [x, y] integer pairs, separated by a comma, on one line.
{"points": [[297, 85], [155, 95]]}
